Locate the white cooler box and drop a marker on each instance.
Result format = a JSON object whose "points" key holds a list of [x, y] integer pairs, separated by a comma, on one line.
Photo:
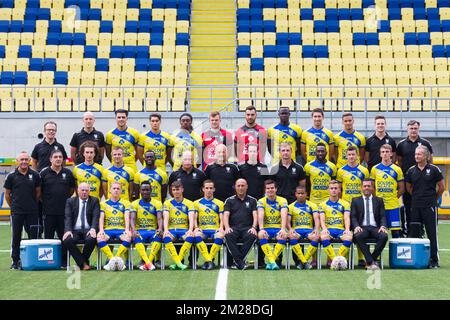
{"points": [[409, 253], [40, 254]]}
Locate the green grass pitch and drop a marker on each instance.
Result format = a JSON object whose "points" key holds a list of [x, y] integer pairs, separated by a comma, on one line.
{"points": [[241, 285]]}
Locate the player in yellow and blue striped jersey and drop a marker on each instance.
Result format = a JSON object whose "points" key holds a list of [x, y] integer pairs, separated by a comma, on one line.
{"points": [[118, 172], [346, 138], [157, 177], [186, 140]]}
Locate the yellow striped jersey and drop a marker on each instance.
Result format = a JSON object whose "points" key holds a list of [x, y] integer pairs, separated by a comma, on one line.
{"points": [[386, 183], [343, 140], [185, 142], [179, 213], [302, 214], [312, 137], [351, 180], [320, 175], [146, 213], [157, 178], [114, 213], [334, 213], [124, 175], [284, 134], [90, 174], [208, 212], [158, 143], [126, 139], [272, 211]]}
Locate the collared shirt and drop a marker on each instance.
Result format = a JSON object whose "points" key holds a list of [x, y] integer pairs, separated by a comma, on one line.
{"points": [[287, 179], [224, 178], [246, 135], [241, 211], [82, 136], [372, 221], [78, 224], [41, 153], [407, 150], [424, 185], [56, 189], [255, 175], [192, 182], [373, 145], [23, 191]]}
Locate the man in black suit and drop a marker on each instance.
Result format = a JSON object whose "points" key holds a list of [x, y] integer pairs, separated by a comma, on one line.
{"points": [[81, 223], [369, 222]]}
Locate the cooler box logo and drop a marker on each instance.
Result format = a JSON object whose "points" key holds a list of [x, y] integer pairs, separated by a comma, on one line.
{"points": [[404, 253], [45, 254]]}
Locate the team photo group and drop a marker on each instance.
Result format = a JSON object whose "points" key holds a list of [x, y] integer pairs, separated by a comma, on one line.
{"points": [[255, 187]]}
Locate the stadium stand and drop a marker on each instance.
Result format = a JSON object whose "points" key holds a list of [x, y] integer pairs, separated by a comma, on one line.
{"points": [[97, 55]]}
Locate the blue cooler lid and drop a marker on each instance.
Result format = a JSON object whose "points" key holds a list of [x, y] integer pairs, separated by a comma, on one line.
{"points": [[38, 242], [410, 241]]}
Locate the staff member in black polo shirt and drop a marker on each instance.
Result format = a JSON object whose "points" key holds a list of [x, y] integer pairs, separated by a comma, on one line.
{"points": [[240, 220], [288, 174], [374, 143], [22, 191], [406, 159], [57, 185], [87, 133], [40, 157], [224, 175], [421, 181], [254, 172], [191, 177]]}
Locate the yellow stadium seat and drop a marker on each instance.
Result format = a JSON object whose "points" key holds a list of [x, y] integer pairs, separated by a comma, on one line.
{"points": [[319, 14], [373, 52], [34, 78], [74, 78], [335, 65], [113, 78], [244, 78], [282, 25], [308, 38], [375, 65], [88, 64], [416, 78], [131, 39], [348, 64], [100, 78], [257, 78], [421, 25], [167, 79], [401, 65], [399, 51], [256, 39], [270, 64], [385, 39], [154, 78], [320, 39], [403, 78], [77, 52], [295, 52], [118, 39], [331, 3], [284, 78], [347, 52], [414, 64], [26, 38], [269, 38], [181, 52], [87, 78], [92, 39], [182, 26], [244, 38], [412, 51], [446, 38], [103, 51], [333, 38], [310, 78], [442, 78], [143, 39], [104, 39], [158, 14], [51, 51], [409, 26], [386, 52], [334, 51], [307, 26], [127, 79], [281, 14], [360, 52], [350, 78], [75, 64], [156, 52], [425, 51], [128, 65], [9, 65], [358, 26], [337, 78], [294, 26], [269, 13]]}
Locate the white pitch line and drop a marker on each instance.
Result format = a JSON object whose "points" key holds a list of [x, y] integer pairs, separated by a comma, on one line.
{"points": [[221, 287]]}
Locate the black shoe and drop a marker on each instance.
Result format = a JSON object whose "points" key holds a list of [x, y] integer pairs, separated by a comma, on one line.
{"points": [[434, 265], [16, 266], [235, 266], [211, 265], [242, 266], [157, 264], [307, 266], [205, 266], [299, 266], [361, 263]]}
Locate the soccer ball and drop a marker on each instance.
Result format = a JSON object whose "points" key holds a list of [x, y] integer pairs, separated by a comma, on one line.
{"points": [[116, 264], [338, 263]]}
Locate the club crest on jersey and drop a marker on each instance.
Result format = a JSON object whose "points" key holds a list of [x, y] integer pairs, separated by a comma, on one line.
{"points": [[247, 204], [95, 136], [114, 211], [55, 147], [419, 143], [294, 170], [387, 141], [428, 172], [194, 175], [228, 169], [30, 177], [317, 139], [64, 176]]}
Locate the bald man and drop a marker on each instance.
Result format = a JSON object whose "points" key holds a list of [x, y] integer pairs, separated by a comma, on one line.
{"points": [[82, 214], [87, 133]]}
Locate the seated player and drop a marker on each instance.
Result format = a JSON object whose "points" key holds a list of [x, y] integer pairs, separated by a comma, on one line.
{"points": [[335, 222], [303, 223], [146, 223], [179, 215], [114, 223], [209, 213], [272, 216]]}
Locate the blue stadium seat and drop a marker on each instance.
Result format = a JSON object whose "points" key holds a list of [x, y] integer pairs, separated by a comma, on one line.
{"points": [[357, 14], [24, 51], [79, 39], [332, 14], [2, 52], [84, 4], [66, 38], [418, 3], [54, 26], [410, 38], [69, 3], [61, 77], [44, 14], [281, 4], [420, 14], [90, 52], [447, 50], [445, 25], [183, 14], [256, 4], [359, 39], [320, 26], [102, 65], [384, 26], [171, 4], [394, 14], [405, 4], [243, 51], [433, 14], [318, 4], [84, 14], [256, 14], [257, 64], [116, 52], [145, 14], [15, 26], [295, 38], [423, 38], [142, 52], [321, 51], [345, 14], [372, 39], [182, 39], [53, 38], [393, 4], [132, 26], [243, 26], [95, 14], [145, 26], [443, 3], [157, 27], [269, 26], [332, 25], [141, 65], [256, 26], [243, 14], [308, 52], [106, 26], [306, 14], [7, 4], [184, 4], [438, 51], [269, 3], [282, 38], [156, 39], [20, 77], [31, 13], [368, 3], [154, 65], [6, 77], [4, 26], [283, 51], [134, 4], [434, 26], [33, 3], [129, 52], [35, 64], [49, 64], [270, 51]]}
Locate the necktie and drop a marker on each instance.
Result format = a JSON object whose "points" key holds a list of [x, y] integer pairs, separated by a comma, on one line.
{"points": [[367, 215], [83, 215]]}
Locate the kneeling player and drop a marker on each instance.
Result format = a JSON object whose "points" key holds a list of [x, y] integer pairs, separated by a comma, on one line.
{"points": [[179, 215], [303, 223], [335, 222], [272, 216], [146, 222], [114, 223], [209, 213]]}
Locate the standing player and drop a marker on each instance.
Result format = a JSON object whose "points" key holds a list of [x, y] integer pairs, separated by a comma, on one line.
{"points": [[158, 141], [186, 140], [209, 213], [156, 176], [303, 223], [284, 132], [272, 217], [114, 224], [214, 136], [319, 172], [146, 224], [390, 186], [125, 137], [374, 143], [315, 135], [335, 222], [348, 137], [250, 132], [118, 172], [89, 171], [179, 215]]}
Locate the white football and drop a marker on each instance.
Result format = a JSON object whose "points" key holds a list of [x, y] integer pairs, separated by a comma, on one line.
{"points": [[339, 263], [116, 264]]}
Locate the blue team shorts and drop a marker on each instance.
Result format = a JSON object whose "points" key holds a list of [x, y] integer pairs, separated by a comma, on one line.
{"points": [[146, 235], [272, 232], [303, 232], [114, 234], [209, 234], [393, 219], [336, 233], [178, 233]]}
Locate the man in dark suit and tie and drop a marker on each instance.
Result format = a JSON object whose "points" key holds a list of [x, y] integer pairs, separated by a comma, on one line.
{"points": [[81, 223], [369, 222]]}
